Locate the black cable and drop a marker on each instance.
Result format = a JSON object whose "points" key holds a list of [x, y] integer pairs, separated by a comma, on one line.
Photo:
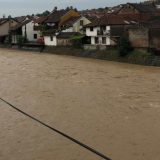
{"points": [[59, 132]]}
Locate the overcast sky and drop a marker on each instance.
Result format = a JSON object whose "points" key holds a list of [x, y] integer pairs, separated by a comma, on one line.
{"points": [[23, 7]]}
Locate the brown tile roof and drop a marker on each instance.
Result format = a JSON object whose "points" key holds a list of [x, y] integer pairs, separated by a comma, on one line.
{"points": [[4, 20], [20, 19], [143, 8], [20, 25], [40, 20], [70, 21], [55, 16], [108, 20]]}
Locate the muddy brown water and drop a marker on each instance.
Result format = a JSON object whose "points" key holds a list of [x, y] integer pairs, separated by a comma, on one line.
{"points": [[110, 106]]}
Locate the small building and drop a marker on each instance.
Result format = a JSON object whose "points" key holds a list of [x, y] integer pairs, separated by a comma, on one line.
{"points": [[107, 30], [136, 8], [5, 26], [60, 39], [26, 30], [57, 18]]}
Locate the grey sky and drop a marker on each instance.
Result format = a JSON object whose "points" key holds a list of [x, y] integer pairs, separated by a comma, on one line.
{"points": [[23, 7]]}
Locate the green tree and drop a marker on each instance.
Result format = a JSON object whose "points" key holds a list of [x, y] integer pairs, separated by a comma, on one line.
{"points": [[124, 46]]}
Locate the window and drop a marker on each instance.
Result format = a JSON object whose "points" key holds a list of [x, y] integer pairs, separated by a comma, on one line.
{"points": [[35, 36], [81, 23], [103, 28], [103, 40], [51, 38], [96, 40], [91, 28]]}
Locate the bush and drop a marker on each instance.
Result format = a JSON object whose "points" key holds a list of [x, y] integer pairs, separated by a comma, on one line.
{"points": [[21, 40], [124, 46]]}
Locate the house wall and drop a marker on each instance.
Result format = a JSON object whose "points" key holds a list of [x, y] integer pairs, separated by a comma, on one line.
{"points": [[93, 34], [77, 27], [95, 31], [4, 28], [139, 37], [90, 33], [30, 32], [48, 42]]}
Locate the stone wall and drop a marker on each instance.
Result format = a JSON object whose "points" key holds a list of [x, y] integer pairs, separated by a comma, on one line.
{"points": [[139, 37]]}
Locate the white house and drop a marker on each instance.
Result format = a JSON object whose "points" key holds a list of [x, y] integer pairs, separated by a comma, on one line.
{"points": [[31, 34], [25, 29], [100, 35], [50, 40], [69, 28], [105, 31]]}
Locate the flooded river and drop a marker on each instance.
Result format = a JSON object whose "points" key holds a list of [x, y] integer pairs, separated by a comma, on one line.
{"points": [[112, 107]]}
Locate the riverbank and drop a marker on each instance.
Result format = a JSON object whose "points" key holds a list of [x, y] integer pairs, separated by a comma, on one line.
{"points": [[141, 57]]}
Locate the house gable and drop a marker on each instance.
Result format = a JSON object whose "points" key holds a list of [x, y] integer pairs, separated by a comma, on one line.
{"points": [[68, 15]]}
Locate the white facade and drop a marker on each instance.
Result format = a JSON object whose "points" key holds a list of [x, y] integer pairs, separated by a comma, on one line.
{"points": [[77, 26], [92, 31], [31, 34], [70, 29], [50, 40], [98, 35]]}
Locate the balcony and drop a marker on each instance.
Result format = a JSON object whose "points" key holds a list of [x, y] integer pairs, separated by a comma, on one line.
{"points": [[103, 33]]}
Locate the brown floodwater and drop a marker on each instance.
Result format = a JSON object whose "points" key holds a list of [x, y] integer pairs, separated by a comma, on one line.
{"points": [[112, 107]]}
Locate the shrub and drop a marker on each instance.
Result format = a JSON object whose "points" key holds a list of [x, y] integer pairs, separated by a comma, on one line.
{"points": [[21, 40], [124, 46]]}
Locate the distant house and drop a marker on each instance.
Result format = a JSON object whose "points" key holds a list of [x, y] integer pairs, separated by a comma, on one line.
{"points": [[26, 30], [56, 19], [107, 30], [21, 19], [136, 8], [75, 24], [5, 25]]}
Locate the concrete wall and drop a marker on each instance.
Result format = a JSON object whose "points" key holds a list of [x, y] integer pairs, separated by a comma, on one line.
{"points": [[139, 37], [48, 42], [30, 32]]}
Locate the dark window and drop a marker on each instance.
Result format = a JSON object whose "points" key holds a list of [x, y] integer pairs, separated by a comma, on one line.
{"points": [[51, 38], [81, 22], [96, 40], [103, 40], [103, 28], [91, 28], [35, 36]]}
